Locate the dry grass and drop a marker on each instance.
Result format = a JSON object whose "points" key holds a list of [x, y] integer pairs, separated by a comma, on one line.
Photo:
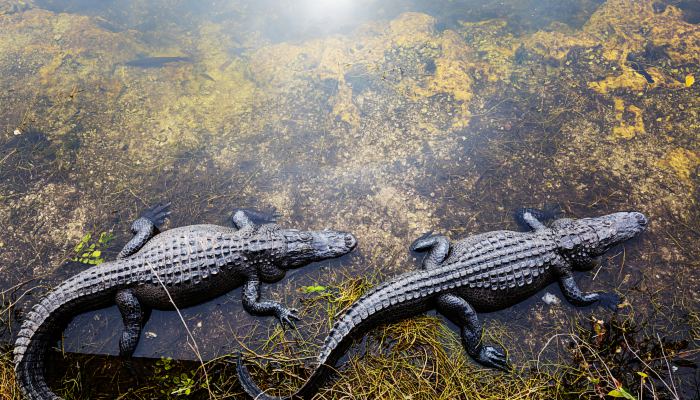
{"points": [[422, 358], [8, 385]]}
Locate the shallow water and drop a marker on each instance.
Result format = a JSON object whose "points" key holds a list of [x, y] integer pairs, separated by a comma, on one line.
{"points": [[387, 119]]}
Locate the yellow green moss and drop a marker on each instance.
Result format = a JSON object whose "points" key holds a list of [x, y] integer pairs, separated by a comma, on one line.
{"points": [[385, 140], [682, 162], [624, 129], [334, 57], [629, 79]]}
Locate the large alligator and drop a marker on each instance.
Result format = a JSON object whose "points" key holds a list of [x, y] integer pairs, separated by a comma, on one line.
{"points": [[484, 272], [181, 266]]}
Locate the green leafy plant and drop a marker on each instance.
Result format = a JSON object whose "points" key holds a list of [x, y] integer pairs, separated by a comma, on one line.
{"points": [[313, 289], [89, 252], [183, 384], [171, 383], [621, 392]]}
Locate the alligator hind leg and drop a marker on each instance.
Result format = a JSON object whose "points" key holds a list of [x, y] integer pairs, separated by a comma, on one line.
{"points": [[246, 218], [145, 228], [457, 310], [438, 246], [134, 317]]}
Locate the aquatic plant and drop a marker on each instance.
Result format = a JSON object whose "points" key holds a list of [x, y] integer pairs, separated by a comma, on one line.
{"points": [[312, 289], [91, 253], [172, 383]]}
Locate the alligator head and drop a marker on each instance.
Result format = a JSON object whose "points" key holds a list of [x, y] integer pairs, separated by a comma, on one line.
{"points": [[304, 247], [584, 239]]}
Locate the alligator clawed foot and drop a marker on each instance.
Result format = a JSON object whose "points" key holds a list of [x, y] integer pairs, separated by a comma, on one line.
{"points": [[493, 357], [261, 217], [609, 300], [287, 317], [158, 213]]}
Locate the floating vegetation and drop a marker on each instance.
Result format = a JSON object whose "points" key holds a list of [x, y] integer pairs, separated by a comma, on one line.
{"points": [[620, 359], [172, 384]]}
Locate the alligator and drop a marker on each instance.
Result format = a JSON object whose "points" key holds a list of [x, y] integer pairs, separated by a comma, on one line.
{"points": [[179, 267], [484, 272]]}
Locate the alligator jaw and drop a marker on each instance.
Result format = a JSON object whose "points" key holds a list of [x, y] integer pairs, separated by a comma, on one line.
{"points": [[305, 247], [332, 244], [613, 229]]}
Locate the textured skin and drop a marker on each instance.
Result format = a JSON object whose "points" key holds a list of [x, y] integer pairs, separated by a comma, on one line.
{"points": [[488, 271], [195, 263]]}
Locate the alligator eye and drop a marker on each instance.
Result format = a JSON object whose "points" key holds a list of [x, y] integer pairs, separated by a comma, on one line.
{"points": [[305, 236]]}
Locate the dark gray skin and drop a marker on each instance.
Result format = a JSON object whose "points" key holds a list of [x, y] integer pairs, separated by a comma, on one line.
{"points": [[485, 272], [195, 263]]}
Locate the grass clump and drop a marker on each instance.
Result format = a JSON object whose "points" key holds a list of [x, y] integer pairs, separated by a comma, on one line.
{"points": [[8, 385], [619, 358], [423, 358]]}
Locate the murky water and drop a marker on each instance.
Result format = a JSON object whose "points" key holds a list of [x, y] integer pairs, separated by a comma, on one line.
{"points": [[384, 118]]}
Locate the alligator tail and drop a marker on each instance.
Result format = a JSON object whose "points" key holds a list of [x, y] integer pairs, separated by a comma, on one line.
{"points": [[249, 384], [307, 391], [48, 317], [391, 301]]}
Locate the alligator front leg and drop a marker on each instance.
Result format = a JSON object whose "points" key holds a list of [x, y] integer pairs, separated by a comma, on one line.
{"points": [[577, 297], [254, 306], [244, 218], [457, 310], [438, 246], [145, 228], [526, 218], [134, 317], [533, 219]]}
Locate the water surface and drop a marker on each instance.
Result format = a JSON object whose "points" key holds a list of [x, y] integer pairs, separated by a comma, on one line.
{"points": [[384, 118]]}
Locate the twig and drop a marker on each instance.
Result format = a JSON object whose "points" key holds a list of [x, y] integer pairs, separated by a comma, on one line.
{"points": [[624, 337], [8, 155], [622, 263], [192, 345], [668, 366], [545, 346]]}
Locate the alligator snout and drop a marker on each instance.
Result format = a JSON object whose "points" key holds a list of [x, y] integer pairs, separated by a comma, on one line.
{"points": [[350, 241], [641, 219], [333, 243]]}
